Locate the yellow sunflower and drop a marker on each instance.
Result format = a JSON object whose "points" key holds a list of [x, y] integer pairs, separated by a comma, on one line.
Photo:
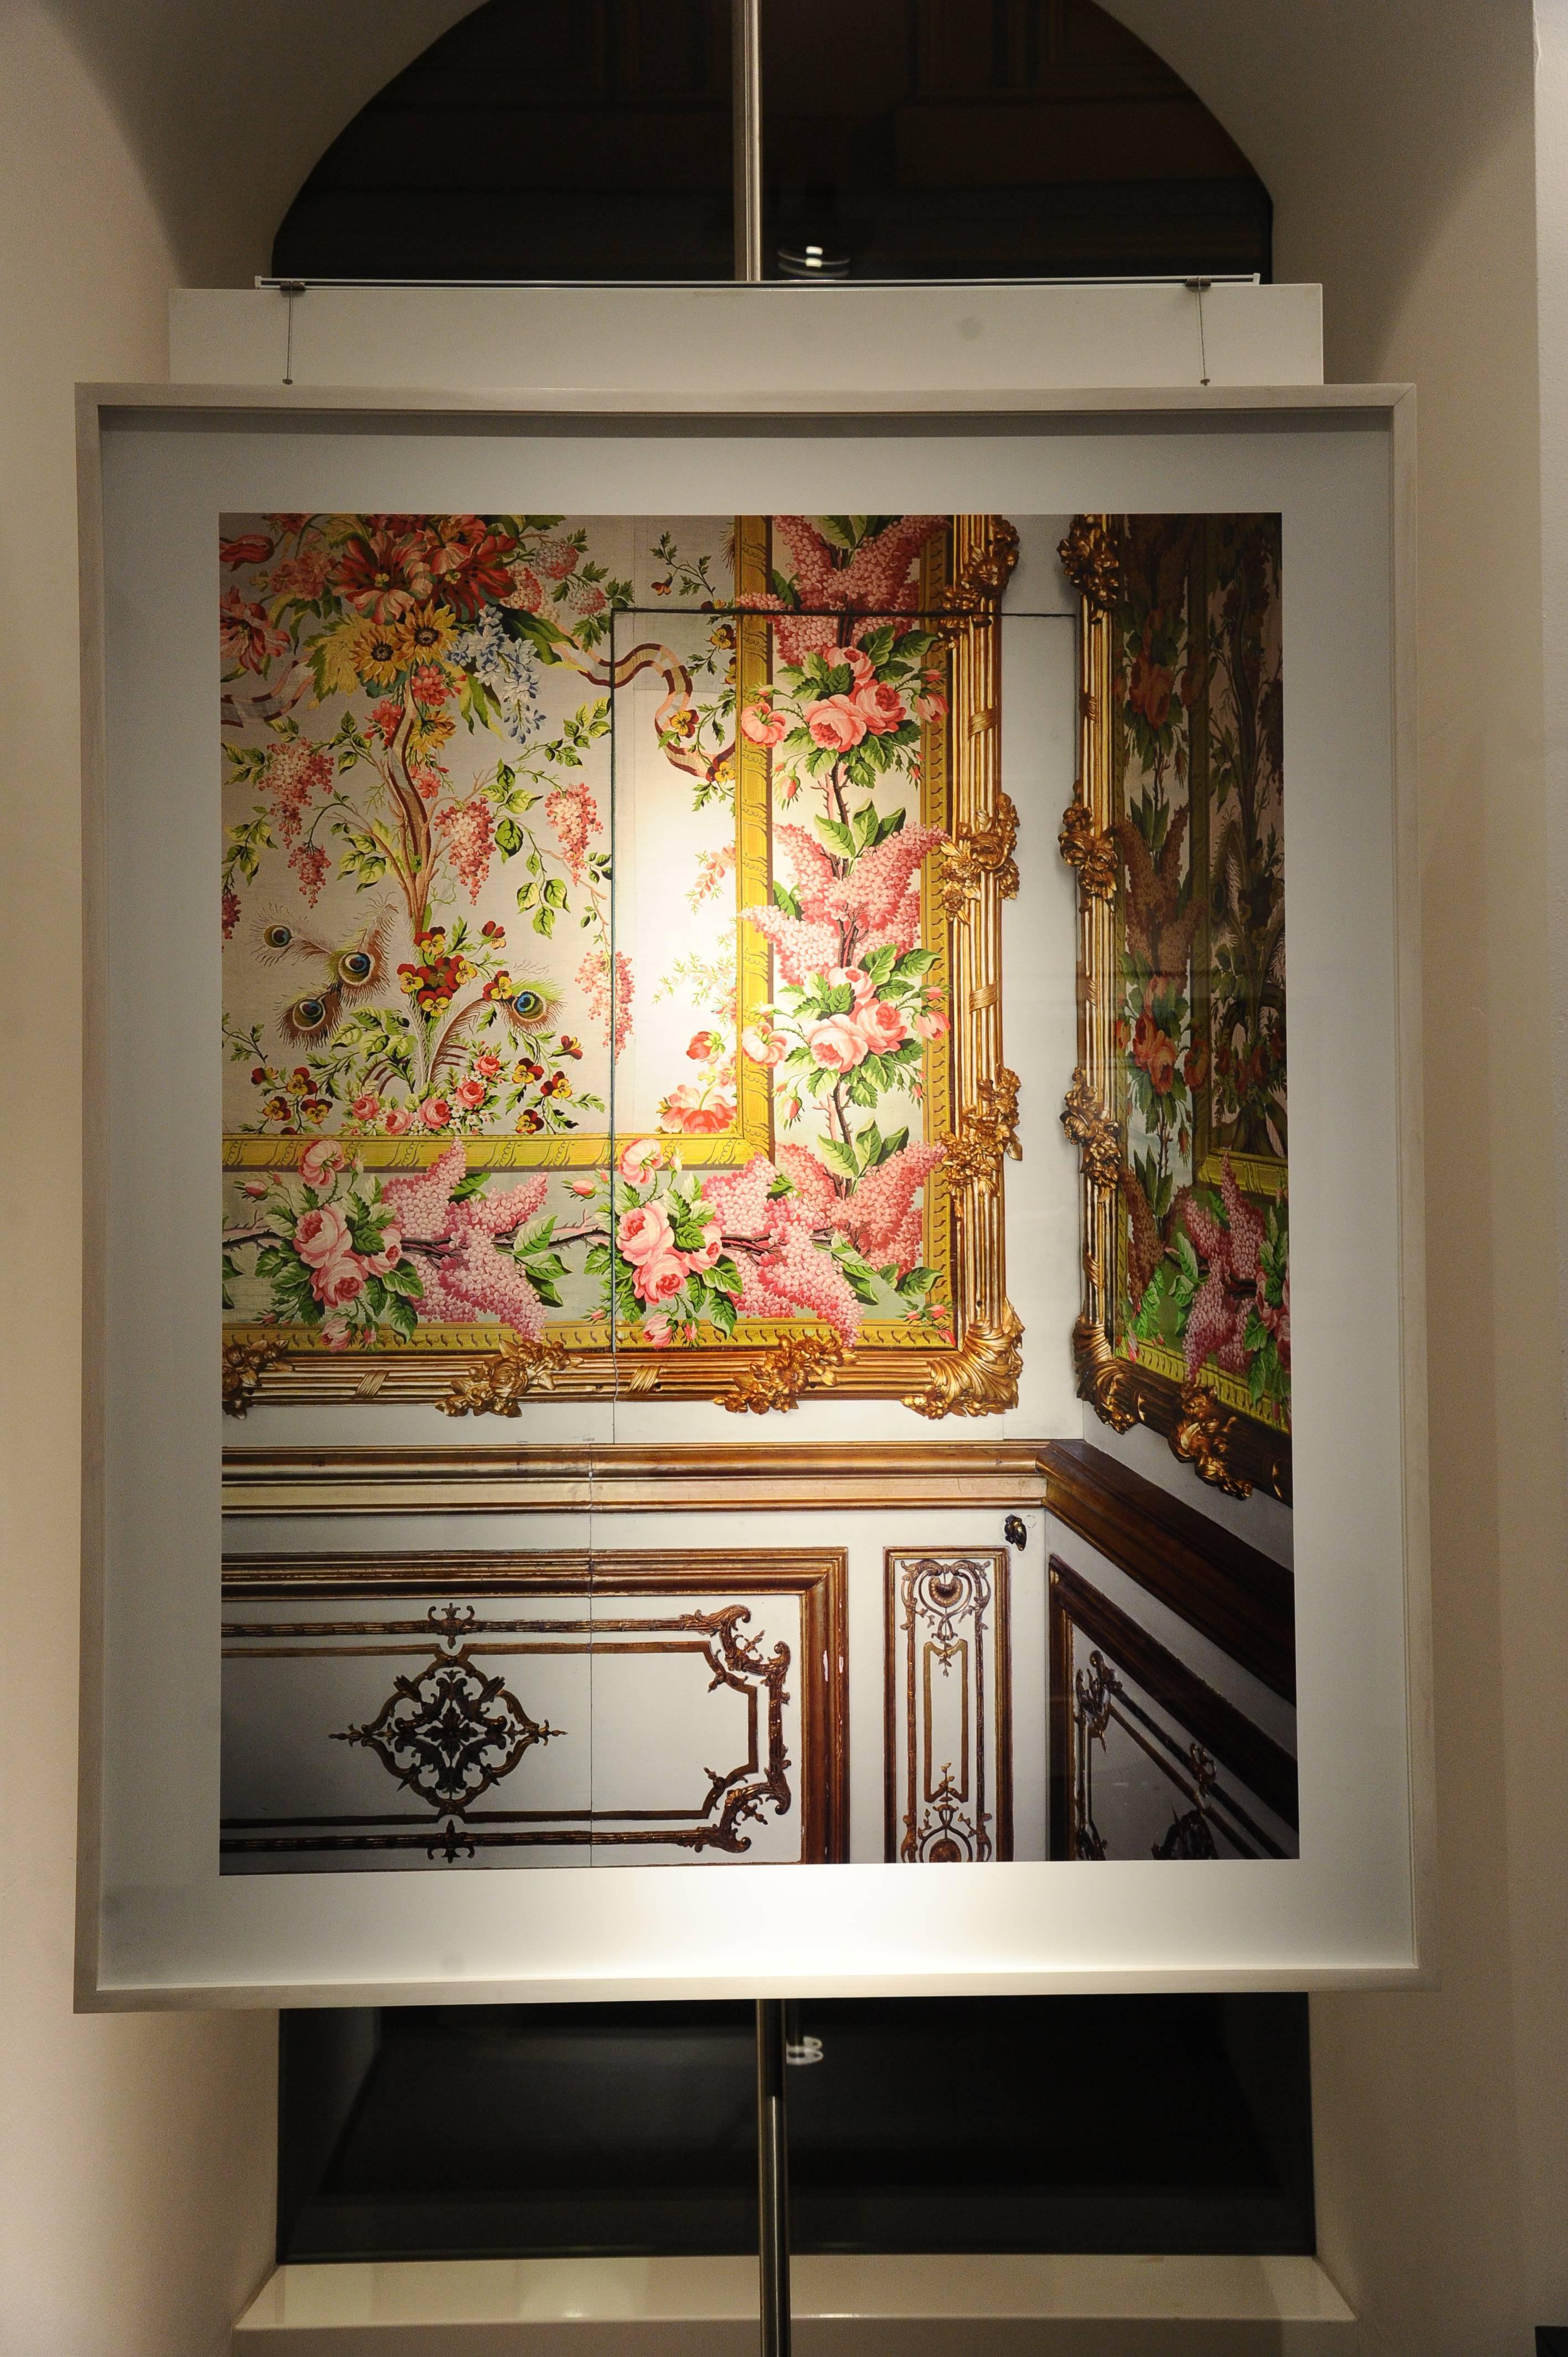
{"points": [[375, 652], [424, 635], [429, 733]]}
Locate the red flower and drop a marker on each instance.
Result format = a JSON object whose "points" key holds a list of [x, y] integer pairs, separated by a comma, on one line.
{"points": [[246, 635], [251, 548], [1156, 1051], [1149, 691], [381, 577]]}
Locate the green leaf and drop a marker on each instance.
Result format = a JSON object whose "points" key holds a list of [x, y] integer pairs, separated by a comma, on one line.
{"points": [[838, 1157], [838, 839], [509, 837], [785, 900], [555, 893]]}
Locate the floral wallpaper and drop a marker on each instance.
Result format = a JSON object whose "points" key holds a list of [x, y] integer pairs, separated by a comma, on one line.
{"points": [[1200, 1031], [581, 974]]}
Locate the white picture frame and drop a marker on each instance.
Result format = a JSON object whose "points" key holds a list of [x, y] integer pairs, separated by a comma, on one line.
{"points": [[157, 1924]]}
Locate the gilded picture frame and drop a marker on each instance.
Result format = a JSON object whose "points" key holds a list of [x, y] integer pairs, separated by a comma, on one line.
{"points": [[1210, 1406]]}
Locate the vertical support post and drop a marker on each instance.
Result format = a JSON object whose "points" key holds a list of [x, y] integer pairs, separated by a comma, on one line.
{"points": [[772, 2179], [745, 71]]}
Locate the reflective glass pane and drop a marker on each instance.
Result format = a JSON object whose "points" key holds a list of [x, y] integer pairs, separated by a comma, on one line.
{"points": [[936, 138]]}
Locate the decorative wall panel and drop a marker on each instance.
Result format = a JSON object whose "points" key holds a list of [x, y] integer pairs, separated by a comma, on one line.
{"points": [[1179, 1102], [474, 1710], [948, 1707], [612, 955], [1147, 1760]]}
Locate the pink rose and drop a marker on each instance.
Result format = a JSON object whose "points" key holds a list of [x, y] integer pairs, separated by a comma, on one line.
{"points": [[688, 1111], [340, 1282], [701, 1262], [582, 1186], [436, 1114], [321, 1236], [762, 725], [837, 723], [486, 1066], [861, 671], [838, 1044], [470, 1094], [396, 1122], [883, 1025], [702, 1045], [335, 1333], [319, 1161], [931, 704], [644, 1234], [643, 1155], [366, 1108], [256, 1189], [660, 1278], [765, 1046], [389, 1254], [931, 1025], [880, 707], [656, 1330]]}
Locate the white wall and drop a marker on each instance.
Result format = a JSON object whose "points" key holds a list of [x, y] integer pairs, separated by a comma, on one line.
{"points": [[1397, 138], [136, 2153]]}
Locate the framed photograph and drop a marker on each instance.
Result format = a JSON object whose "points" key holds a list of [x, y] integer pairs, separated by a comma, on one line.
{"points": [[731, 1053]]}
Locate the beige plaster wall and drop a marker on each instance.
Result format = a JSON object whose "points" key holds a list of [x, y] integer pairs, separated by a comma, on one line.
{"points": [[1397, 138], [149, 146], [135, 2152]]}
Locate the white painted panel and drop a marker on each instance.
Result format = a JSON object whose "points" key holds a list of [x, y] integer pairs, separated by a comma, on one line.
{"points": [[710, 340]]}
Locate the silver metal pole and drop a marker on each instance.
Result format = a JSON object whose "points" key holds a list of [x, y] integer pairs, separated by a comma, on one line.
{"points": [[746, 81], [772, 2179]]}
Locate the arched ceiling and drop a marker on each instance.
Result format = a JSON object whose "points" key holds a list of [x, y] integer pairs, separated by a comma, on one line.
{"points": [[227, 105], [1364, 118]]}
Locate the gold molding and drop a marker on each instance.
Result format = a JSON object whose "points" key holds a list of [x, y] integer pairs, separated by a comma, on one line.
{"points": [[981, 1379], [1203, 1437], [1234, 1452], [776, 1378], [633, 1478], [1091, 563], [1096, 1138], [502, 1385], [1090, 850]]}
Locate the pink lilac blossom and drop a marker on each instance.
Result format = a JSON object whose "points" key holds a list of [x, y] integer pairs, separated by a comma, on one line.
{"points": [[475, 1277], [882, 1215], [796, 1271], [1218, 1318], [814, 1190], [873, 586], [593, 982], [466, 826], [875, 890], [231, 912], [814, 877], [803, 948], [294, 773], [574, 813], [311, 865], [740, 1197]]}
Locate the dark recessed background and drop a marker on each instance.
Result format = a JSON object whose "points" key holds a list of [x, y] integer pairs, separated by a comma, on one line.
{"points": [[571, 139], [1067, 2123]]}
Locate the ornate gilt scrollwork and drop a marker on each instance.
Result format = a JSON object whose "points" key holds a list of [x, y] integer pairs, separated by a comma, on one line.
{"points": [[982, 1377], [803, 1363], [986, 852], [1091, 560], [1202, 1438], [987, 1130], [1092, 850], [500, 1385], [981, 578], [1094, 1134], [245, 1364], [1106, 1382]]}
